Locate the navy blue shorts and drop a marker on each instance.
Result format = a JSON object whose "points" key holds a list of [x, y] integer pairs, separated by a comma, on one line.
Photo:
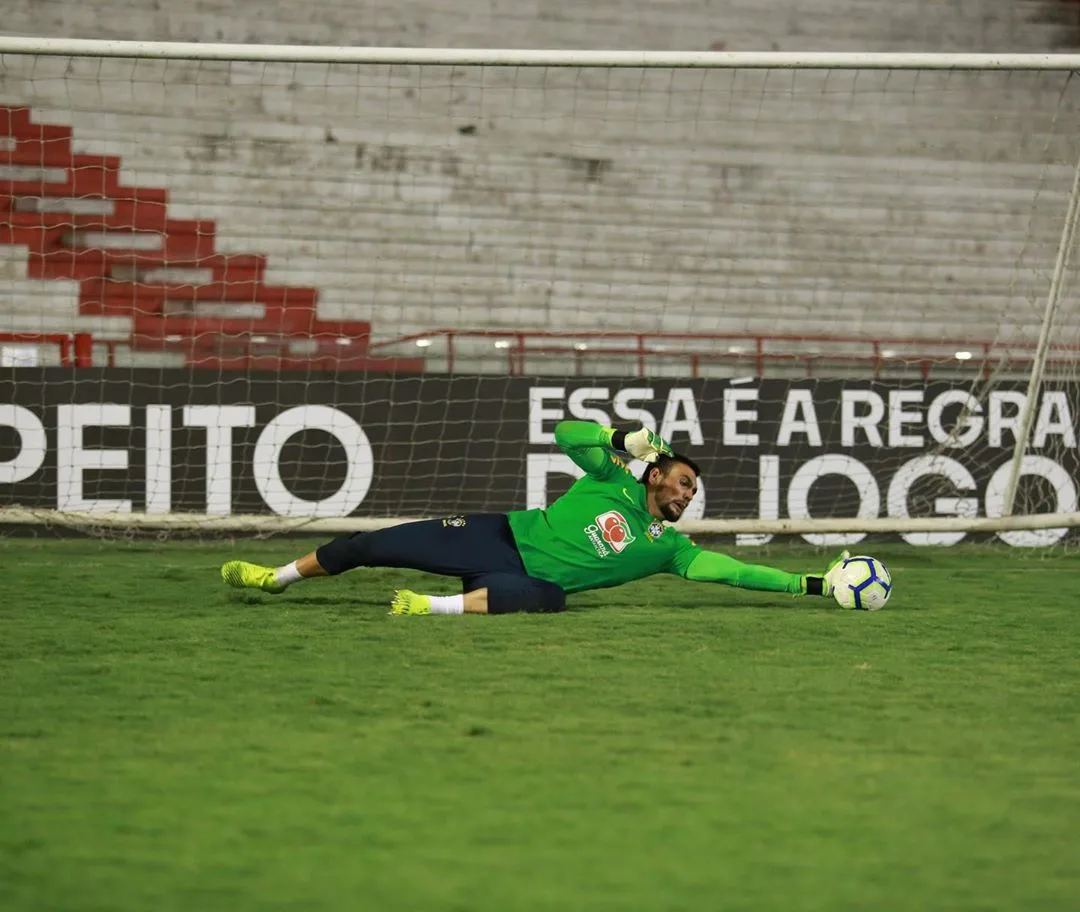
{"points": [[480, 549]]}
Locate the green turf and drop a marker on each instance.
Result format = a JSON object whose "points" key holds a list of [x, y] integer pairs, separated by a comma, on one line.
{"points": [[167, 744]]}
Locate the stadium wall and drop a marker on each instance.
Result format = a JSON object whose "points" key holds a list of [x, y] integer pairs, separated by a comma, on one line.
{"points": [[113, 442], [692, 25]]}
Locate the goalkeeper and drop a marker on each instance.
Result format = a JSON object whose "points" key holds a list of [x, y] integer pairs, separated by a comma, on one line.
{"points": [[608, 529]]}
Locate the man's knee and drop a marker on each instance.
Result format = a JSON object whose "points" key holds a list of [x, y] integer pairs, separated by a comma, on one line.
{"points": [[548, 598], [508, 592], [341, 554]]}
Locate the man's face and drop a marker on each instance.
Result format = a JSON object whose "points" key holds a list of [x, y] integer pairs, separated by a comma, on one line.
{"points": [[673, 492]]}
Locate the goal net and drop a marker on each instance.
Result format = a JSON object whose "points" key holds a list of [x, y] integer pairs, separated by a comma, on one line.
{"points": [[276, 288]]}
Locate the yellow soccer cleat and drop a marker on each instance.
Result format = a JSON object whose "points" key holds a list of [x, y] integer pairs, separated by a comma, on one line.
{"points": [[242, 575], [405, 601]]}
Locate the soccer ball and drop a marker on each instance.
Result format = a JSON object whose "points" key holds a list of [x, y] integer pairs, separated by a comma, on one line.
{"points": [[862, 583]]}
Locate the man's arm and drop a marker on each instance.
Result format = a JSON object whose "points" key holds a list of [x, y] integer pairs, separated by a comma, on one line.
{"points": [[702, 566], [592, 446]]}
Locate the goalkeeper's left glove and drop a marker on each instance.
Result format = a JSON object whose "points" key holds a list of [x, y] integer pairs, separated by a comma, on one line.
{"points": [[647, 445], [834, 569], [824, 585]]}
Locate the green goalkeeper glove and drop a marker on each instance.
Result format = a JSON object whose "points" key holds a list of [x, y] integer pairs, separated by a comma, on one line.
{"points": [[646, 445]]}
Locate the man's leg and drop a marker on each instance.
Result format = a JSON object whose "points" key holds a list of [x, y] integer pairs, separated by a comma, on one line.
{"points": [[405, 601], [245, 575], [455, 546], [488, 593]]}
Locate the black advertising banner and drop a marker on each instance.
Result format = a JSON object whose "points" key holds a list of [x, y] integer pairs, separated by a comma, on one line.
{"points": [[353, 445]]}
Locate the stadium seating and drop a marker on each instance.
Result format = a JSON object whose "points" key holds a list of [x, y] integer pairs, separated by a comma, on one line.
{"points": [[410, 220], [73, 234]]}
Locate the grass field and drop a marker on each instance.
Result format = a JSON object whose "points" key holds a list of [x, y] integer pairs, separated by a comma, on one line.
{"points": [[167, 744]]}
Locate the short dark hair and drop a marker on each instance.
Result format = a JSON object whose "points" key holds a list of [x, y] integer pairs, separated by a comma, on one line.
{"points": [[664, 464]]}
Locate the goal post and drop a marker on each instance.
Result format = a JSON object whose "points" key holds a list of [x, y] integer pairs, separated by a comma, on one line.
{"points": [[1046, 330], [304, 268]]}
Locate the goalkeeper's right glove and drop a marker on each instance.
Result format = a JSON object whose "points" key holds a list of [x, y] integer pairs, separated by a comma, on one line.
{"points": [[647, 445]]}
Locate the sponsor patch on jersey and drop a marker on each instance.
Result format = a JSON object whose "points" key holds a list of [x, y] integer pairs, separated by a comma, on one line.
{"points": [[654, 531], [615, 530], [454, 522]]}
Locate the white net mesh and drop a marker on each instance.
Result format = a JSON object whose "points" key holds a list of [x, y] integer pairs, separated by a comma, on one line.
{"points": [[795, 273]]}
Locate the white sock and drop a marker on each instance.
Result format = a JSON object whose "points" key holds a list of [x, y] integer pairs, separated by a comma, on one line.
{"points": [[287, 575], [447, 604]]}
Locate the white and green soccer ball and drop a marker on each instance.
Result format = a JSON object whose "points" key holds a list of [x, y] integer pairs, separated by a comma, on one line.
{"points": [[862, 583]]}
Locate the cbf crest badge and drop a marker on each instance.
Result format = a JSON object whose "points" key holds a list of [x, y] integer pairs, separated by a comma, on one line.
{"points": [[655, 530], [454, 522]]}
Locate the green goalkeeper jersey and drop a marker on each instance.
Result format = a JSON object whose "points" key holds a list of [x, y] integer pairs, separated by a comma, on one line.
{"points": [[600, 533]]}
